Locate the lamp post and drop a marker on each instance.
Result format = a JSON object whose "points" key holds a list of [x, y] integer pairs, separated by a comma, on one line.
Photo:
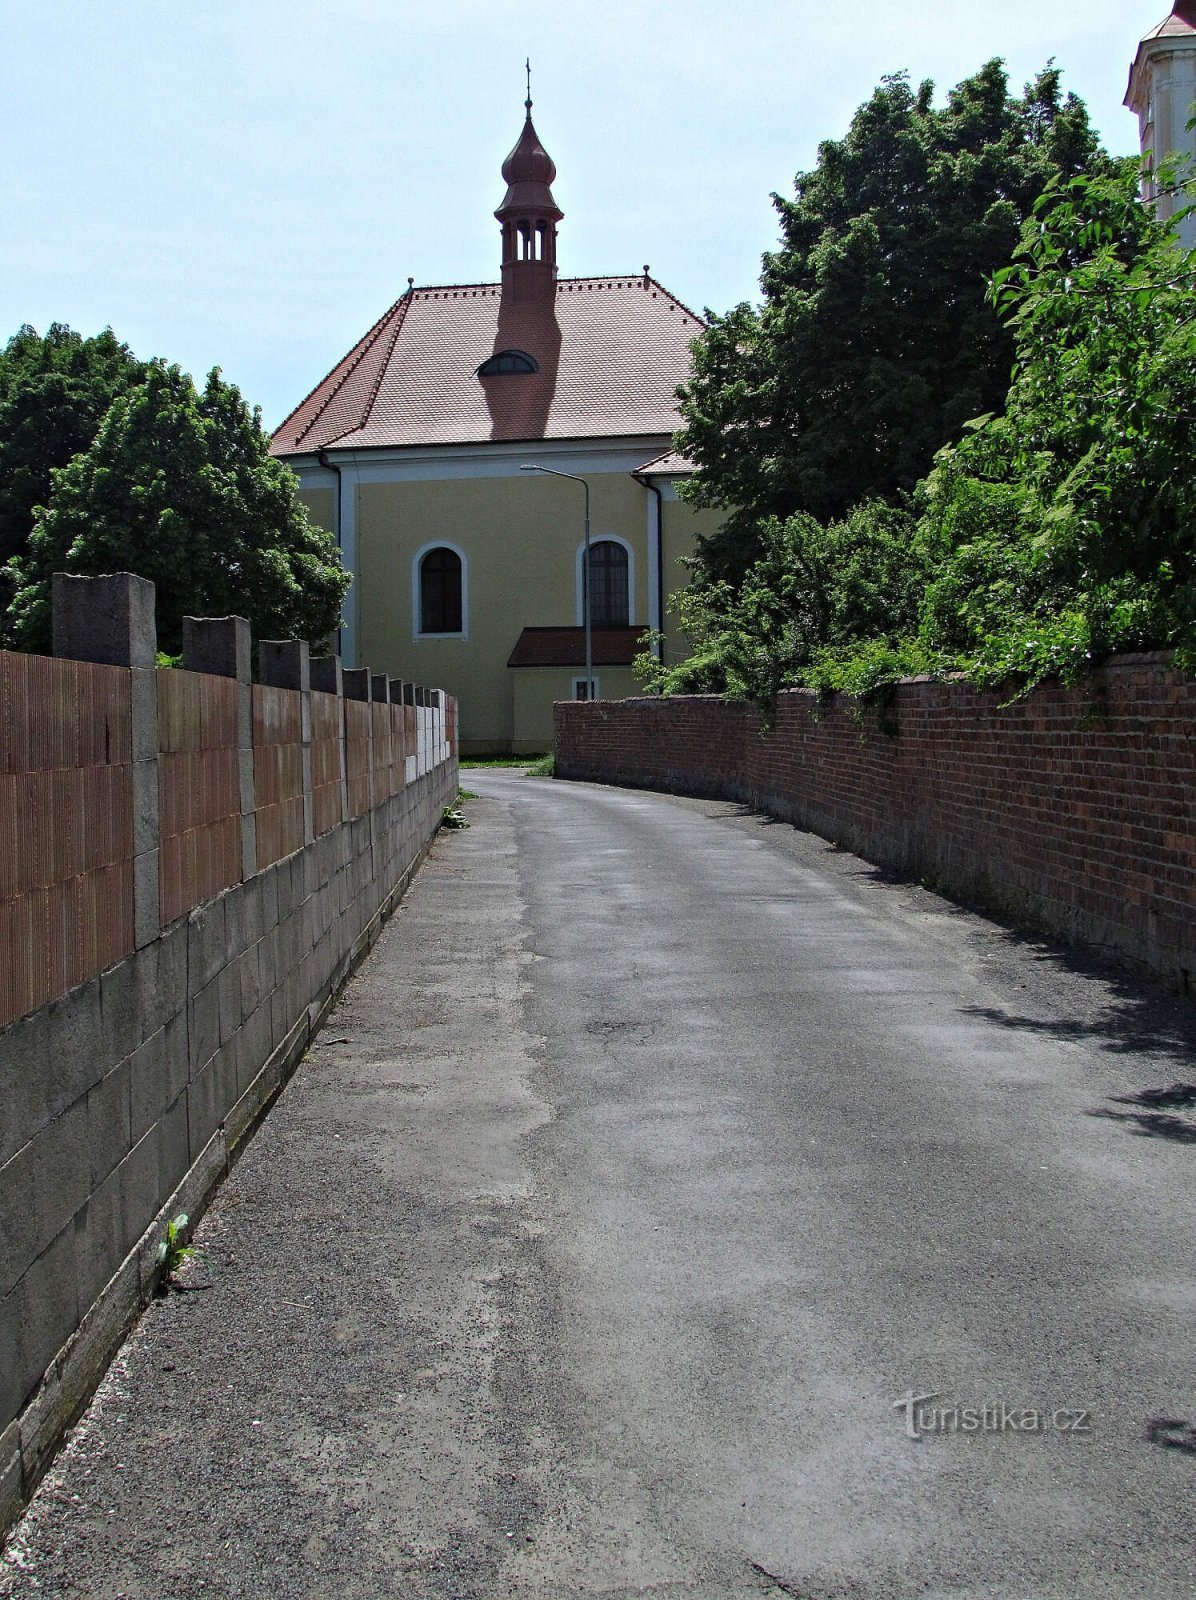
{"points": [[551, 472]]}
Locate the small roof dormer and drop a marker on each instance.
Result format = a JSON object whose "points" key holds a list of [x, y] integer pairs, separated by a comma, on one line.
{"points": [[528, 215]]}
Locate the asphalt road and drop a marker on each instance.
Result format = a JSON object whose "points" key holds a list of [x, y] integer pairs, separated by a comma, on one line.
{"points": [[656, 1153]]}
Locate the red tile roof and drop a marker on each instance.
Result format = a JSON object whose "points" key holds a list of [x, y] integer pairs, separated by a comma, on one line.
{"points": [[566, 647], [1182, 20], [610, 351], [672, 464]]}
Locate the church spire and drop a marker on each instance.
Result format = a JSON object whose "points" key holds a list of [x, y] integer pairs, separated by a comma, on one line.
{"points": [[528, 214]]}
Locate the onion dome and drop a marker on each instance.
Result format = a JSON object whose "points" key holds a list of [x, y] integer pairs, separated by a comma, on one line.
{"points": [[528, 172]]}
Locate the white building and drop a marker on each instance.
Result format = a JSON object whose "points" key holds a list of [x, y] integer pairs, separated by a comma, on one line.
{"points": [[1161, 92]]}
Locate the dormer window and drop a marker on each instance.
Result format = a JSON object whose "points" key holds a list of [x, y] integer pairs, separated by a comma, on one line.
{"points": [[505, 361]]}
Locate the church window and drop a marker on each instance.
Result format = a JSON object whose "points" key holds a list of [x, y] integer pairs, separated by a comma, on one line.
{"points": [[440, 591], [505, 361], [609, 599]]}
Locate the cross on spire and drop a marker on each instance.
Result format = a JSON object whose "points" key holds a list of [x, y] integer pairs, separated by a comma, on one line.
{"points": [[528, 102]]}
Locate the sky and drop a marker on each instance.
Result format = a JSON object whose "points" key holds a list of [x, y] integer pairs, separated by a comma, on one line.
{"points": [[249, 183]]}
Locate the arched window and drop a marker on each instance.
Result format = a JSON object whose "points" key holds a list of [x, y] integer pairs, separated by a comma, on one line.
{"points": [[440, 608], [505, 361], [609, 597]]}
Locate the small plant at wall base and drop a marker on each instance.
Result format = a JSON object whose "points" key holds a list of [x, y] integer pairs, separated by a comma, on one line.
{"points": [[452, 818], [173, 1254]]}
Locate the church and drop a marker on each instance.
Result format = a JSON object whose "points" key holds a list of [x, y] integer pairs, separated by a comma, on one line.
{"points": [[469, 569]]}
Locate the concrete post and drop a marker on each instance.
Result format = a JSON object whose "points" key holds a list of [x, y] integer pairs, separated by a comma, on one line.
{"points": [[396, 699], [326, 674], [223, 647], [286, 664], [111, 620], [327, 677], [437, 727], [411, 767]]}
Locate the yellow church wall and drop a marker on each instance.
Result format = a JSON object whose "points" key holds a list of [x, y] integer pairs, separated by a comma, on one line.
{"points": [[537, 689], [520, 538], [682, 526], [318, 503]]}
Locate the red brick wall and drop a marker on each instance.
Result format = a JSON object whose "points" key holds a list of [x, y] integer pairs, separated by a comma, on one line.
{"points": [[66, 826], [67, 803], [1074, 809], [325, 761], [277, 772], [199, 798], [382, 771], [357, 755]]}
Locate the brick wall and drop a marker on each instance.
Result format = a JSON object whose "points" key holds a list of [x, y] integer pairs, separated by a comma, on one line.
{"points": [[66, 826], [184, 887], [199, 810], [1072, 809]]}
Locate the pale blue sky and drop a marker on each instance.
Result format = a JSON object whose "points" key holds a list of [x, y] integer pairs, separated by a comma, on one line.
{"points": [[248, 184]]}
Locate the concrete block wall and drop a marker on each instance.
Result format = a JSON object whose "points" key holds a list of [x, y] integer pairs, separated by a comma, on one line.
{"points": [[1073, 809], [124, 1099]]}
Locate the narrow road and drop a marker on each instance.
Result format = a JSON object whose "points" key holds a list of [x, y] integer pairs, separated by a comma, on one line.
{"points": [[655, 1155]]}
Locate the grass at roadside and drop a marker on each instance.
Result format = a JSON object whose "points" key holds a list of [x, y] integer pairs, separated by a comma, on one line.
{"points": [[499, 761], [534, 766]]}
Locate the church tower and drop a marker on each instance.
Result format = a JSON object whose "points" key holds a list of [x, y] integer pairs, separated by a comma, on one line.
{"points": [[1161, 90], [529, 216]]}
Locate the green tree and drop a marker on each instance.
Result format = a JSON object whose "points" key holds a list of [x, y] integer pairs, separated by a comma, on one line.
{"points": [[179, 487], [875, 342], [813, 591], [1066, 527], [54, 391]]}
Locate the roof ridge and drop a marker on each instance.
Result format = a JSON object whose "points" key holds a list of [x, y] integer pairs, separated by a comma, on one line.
{"points": [[588, 277], [317, 387], [638, 278], [366, 345], [681, 303], [404, 302]]}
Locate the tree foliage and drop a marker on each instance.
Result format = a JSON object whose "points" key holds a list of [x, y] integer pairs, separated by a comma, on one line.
{"points": [[1052, 532], [874, 343], [1066, 527], [54, 391], [815, 589], [179, 487]]}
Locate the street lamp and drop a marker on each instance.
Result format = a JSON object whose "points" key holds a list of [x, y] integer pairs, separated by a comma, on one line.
{"points": [[551, 472]]}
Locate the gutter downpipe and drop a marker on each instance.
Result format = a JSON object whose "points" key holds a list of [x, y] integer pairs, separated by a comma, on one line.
{"points": [[329, 465]]}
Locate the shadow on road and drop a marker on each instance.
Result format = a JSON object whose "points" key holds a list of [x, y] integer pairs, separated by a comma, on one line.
{"points": [[1173, 1433], [1117, 1011], [1150, 1122]]}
